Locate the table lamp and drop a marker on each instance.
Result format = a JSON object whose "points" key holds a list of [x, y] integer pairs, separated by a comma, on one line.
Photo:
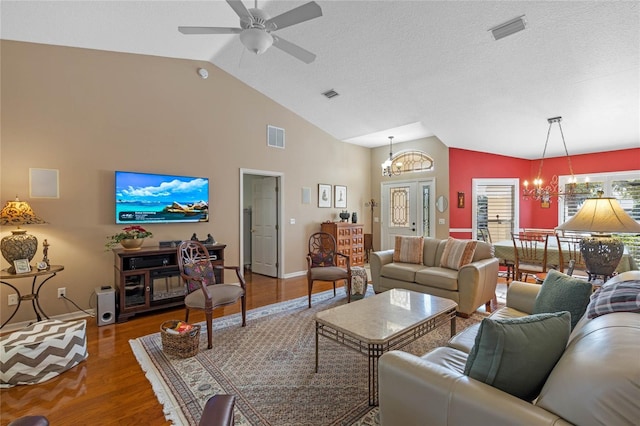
{"points": [[601, 217], [18, 245]]}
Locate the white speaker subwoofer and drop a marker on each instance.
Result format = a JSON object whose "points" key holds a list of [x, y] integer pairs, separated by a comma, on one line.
{"points": [[106, 306]]}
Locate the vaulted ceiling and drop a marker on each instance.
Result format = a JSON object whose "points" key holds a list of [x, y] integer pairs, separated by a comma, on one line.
{"points": [[404, 68]]}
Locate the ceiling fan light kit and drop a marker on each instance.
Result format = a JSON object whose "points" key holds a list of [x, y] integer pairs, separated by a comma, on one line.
{"points": [[256, 40], [256, 28]]}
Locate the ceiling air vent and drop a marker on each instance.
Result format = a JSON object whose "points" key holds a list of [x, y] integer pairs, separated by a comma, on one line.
{"points": [[331, 94], [509, 27], [275, 137]]}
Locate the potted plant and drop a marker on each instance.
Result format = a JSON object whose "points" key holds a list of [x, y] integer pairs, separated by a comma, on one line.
{"points": [[131, 238]]}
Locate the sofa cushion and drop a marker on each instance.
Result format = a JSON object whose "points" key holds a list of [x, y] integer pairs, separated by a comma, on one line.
{"points": [[457, 253], [408, 249], [621, 296], [597, 379], [560, 292], [438, 277], [516, 355], [400, 271]]}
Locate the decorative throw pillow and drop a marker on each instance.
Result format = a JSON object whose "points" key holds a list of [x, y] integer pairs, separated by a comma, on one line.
{"points": [[408, 249], [516, 355], [560, 292], [201, 268], [623, 296], [457, 253]]}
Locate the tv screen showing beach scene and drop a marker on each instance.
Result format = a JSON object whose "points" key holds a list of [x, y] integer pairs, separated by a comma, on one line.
{"points": [[156, 198]]}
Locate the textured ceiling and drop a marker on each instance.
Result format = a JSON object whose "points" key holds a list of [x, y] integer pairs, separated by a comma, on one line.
{"points": [[404, 68]]}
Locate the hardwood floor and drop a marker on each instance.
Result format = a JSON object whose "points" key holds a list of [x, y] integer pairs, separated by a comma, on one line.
{"points": [[110, 388]]}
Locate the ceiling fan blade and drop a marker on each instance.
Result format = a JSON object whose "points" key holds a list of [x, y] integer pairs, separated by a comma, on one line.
{"points": [[209, 30], [240, 9], [302, 13], [293, 50]]}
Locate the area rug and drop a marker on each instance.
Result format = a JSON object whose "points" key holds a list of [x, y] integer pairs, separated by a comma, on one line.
{"points": [[269, 366]]}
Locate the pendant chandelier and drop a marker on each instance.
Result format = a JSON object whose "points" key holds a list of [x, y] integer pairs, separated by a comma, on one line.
{"points": [[389, 168], [543, 191]]}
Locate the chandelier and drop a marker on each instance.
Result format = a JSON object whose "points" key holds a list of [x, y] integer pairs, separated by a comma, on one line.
{"points": [[389, 168], [544, 191]]}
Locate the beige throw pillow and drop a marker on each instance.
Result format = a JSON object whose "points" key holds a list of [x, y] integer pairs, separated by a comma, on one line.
{"points": [[457, 253], [408, 249]]}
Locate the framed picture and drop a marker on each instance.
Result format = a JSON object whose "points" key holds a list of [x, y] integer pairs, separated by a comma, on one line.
{"points": [[324, 195], [340, 196], [22, 266]]}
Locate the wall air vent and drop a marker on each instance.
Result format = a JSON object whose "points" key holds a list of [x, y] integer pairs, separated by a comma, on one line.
{"points": [[331, 94], [509, 27], [275, 137]]}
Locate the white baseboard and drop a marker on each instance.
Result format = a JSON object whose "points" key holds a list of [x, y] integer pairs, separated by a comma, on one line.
{"points": [[64, 317]]}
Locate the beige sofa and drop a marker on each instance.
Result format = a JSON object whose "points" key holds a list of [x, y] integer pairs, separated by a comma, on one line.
{"points": [[470, 287], [595, 382]]}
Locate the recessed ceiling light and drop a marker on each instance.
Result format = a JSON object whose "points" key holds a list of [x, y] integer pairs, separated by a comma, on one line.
{"points": [[509, 27]]}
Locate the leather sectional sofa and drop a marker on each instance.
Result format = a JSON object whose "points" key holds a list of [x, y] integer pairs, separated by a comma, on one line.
{"points": [[596, 380], [471, 286]]}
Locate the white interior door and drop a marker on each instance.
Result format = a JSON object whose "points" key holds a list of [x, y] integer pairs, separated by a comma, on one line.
{"points": [[264, 243]]}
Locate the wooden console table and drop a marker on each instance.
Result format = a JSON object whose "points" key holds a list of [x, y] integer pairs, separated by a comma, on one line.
{"points": [[47, 274]]}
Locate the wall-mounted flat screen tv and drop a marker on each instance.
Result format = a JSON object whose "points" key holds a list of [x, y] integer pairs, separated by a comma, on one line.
{"points": [[156, 198]]}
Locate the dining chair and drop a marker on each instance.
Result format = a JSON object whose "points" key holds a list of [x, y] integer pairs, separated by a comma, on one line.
{"points": [[322, 263], [530, 254], [485, 235], [539, 233], [203, 292], [571, 260]]}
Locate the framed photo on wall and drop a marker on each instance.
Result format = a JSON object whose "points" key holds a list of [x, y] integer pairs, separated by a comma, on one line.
{"points": [[340, 196], [324, 195]]}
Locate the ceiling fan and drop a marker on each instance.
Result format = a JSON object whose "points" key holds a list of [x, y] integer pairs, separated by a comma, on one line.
{"points": [[256, 28]]}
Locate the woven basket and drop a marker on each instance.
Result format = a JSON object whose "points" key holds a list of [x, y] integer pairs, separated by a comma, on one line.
{"points": [[182, 345]]}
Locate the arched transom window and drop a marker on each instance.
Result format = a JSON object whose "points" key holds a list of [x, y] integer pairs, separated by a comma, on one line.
{"points": [[412, 161]]}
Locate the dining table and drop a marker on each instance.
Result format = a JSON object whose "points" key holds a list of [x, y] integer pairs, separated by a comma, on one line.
{"points": [[505, 250]]}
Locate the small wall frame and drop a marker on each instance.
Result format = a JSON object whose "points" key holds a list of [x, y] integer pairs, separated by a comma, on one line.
{"points": [[324, 195], [340, 197]]}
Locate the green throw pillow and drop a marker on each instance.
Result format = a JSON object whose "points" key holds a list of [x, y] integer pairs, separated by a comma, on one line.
{"points": [[560, 292], [516, 355]]}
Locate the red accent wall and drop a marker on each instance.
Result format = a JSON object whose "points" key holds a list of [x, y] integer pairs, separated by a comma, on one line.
{"points": [[464, 165]]}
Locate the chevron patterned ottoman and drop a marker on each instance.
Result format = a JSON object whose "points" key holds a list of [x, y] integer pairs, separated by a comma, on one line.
{"points": [[41, 351]]}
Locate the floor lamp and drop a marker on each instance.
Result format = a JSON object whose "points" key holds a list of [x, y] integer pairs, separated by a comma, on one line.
{"points": [[601, 217]]}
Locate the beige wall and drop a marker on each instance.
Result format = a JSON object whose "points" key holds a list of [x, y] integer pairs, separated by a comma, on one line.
{"points": [[88, 113]]}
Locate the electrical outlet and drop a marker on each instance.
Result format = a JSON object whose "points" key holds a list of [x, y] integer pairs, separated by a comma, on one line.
{"points": [[62, 292], [13, 299]]}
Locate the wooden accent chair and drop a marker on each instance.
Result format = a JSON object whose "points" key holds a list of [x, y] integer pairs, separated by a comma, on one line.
{"points": [[530, 252], [203, 292], [322, 263]]}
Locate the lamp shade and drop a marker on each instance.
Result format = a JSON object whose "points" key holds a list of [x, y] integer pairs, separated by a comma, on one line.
{"points": [[19, 213], [601, 215]]}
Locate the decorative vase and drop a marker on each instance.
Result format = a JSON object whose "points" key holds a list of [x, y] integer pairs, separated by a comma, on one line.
{"points": [[344, 215], [132, 244], [354, 217]]}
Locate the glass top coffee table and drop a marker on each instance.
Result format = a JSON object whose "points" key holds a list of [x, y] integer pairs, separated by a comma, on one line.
{"points": [[384, 322]]}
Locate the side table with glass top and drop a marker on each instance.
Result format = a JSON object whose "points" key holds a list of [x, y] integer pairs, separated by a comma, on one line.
{"points": [[45, 274]]}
